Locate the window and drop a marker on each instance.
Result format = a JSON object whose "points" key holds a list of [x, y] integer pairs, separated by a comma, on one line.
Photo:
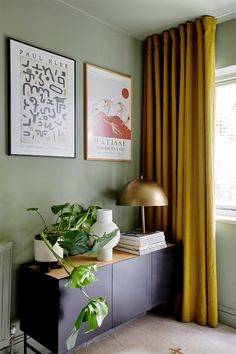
{"points": [[225, 141]]}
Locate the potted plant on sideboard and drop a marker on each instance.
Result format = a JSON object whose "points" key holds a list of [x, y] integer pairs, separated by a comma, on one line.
{"points": [[70, 233]]}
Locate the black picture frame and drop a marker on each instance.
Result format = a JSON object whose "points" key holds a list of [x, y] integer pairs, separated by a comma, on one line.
{"points": [[42, 105]]}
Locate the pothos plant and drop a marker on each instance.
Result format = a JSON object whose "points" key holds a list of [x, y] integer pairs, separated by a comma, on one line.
{"points": [[71, 231]]}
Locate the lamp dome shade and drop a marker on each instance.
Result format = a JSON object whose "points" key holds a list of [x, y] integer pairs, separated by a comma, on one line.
{"points": [[142, 192]]}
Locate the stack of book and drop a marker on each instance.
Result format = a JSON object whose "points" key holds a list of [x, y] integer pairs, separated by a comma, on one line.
{"points": [[138, 243]]}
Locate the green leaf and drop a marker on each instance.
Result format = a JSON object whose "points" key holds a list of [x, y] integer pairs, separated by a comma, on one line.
{"points": [[102, 306], [83, 275], [93, 313], [80, 217], [71, 340], [53, 239], [100, 242], [86, 226], [101, 309], [32, 209], [66, 214], [75, 242], [94, 211], [98, 310], [77, 209], [92, 320], [57, 208], [85, 314], [55, 226], [92, 216], [63, 224]]}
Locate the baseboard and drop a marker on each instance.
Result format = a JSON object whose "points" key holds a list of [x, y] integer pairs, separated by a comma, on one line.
{"points": [[227, 316]]}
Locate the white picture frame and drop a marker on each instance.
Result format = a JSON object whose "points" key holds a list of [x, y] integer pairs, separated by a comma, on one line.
{"points": [[108, 113]]}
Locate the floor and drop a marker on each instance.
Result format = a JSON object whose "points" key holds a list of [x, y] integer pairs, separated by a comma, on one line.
{"points": [[162, 335]]}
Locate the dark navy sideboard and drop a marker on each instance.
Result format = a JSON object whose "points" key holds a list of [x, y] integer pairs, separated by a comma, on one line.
{"points": [[131, 285]]}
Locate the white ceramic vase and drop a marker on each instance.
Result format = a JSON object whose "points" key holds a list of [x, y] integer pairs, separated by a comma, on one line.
{"points": [[104, 224], [43, 254]]}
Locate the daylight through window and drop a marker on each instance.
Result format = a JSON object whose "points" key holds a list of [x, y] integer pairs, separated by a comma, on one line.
{"points": [[225, 145]]}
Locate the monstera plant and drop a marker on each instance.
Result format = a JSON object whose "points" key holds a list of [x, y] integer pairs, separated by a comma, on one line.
{"points": [[71, 231]]}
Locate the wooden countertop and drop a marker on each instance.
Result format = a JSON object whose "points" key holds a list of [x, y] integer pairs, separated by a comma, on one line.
{"points": [[118, 256]]}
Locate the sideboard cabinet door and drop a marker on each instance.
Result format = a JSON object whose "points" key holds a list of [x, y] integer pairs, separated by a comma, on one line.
{"points": [[131, 288], [166, 274], [72, 301], [48, 309]]}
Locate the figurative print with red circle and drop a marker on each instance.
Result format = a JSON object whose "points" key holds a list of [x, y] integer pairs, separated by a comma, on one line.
{"points": [[108, 115]]}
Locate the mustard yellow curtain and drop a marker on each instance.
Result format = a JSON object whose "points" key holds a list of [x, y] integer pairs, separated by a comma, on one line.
{"points": [[177, 152]]}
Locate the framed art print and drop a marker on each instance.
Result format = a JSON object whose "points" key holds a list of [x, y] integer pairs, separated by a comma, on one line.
{"points": [[42, 102], [108, 115]]}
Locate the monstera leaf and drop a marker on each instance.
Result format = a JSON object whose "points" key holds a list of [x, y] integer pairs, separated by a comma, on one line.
{"points": [[83, 275], [93, 313]]}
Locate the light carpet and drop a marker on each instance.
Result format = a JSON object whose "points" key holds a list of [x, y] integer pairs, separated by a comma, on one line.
{"points": [[162, 335]]}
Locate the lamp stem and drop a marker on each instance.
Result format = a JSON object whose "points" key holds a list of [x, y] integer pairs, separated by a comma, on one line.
{"points": [[143, 219]]}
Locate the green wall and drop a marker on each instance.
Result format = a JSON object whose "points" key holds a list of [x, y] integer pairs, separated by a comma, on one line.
{"points": [[226, 44], [41, 181], [226, 230], [226, 270]]}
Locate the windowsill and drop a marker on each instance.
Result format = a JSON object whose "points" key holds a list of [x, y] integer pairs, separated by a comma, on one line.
{"points": [[225, 219]]}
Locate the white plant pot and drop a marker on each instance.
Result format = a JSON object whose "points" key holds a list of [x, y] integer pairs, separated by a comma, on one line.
{"points": [[43, 254], [104, 224]]}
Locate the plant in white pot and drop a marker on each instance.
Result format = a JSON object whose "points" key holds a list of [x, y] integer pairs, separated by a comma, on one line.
{"points": [[71, 232], [42, 253]]}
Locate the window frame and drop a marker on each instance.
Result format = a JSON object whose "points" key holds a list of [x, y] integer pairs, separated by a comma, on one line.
{"points": [[222, 76]]}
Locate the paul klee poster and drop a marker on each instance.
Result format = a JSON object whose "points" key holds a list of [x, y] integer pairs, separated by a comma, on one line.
{"points": [[108, 115], [42, 102]]}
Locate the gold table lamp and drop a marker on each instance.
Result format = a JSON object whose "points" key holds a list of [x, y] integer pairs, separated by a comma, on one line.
{"points": [[142, 192]]}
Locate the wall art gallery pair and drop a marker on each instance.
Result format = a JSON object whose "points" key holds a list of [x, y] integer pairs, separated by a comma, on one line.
{"points": [[42, 107]]}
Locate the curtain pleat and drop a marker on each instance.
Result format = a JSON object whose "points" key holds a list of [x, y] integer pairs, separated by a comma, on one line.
{"points": [[177, 152], [209, 63], [174, 119]]}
